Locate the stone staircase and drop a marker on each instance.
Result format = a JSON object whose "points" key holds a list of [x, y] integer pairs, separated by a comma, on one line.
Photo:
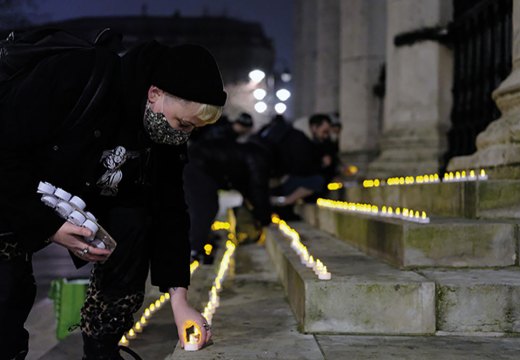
{"points": [[457, 274]]}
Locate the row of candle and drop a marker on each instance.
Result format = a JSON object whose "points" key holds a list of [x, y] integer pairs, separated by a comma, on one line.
{"points": [[220, 225], [149, 311], [213, 303], [457, 176], [301, 250], [374, 210], [214, 299], [334, 186]]}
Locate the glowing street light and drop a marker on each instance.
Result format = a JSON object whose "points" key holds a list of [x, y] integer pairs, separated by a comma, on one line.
{"points": [[260, 107], [257, 75], [283, 94], [280, 108], [259, 94]]}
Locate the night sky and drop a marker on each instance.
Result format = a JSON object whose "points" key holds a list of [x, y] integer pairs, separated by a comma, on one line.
{"points": [[274, 15]]}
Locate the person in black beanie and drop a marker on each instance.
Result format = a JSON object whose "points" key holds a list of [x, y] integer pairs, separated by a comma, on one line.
{"points": [[111, 130]]}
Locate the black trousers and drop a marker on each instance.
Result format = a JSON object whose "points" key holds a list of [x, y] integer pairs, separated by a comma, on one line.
{"points": [[116, 288], [17, 294]]}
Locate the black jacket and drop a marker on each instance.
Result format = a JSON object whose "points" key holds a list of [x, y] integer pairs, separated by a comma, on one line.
{"points": [[293, 153], [39, 141], [244, 167]]}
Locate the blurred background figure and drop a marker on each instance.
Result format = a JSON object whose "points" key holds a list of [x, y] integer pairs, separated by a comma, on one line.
{"points": [[222, 163], [226, 129]]}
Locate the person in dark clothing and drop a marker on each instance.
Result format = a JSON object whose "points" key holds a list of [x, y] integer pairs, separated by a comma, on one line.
{"points": [[123, 152], [219, 164], [225, 129], [297, 162], [321, 126]]}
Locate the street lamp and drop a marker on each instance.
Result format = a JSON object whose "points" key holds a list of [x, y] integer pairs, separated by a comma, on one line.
{"points": [[259, 94], [280, 108], [260, 107], [283, 94], [270, 91], [257, 75]]}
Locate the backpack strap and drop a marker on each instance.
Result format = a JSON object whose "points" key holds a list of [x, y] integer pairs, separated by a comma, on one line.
{"points": [[20, 52], [96, 88]]}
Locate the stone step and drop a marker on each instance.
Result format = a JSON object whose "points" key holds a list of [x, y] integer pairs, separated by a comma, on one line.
{"points": [[444, 242], [477, 301], [475, 199], [364, 296]]}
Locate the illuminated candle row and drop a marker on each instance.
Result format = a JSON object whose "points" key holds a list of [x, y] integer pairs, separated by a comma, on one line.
{"points": [[369, 209], [301, 250], [220, 225], [149, 311], [459, 176], [470, 175], [214, 300], [334, 186]]}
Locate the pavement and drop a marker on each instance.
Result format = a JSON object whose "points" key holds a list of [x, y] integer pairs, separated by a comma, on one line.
{"points": [[253, 321]]}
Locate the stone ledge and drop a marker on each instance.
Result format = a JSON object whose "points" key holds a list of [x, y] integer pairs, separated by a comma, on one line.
{"points": [[477, 301], [479, 199], [445, 242], [364, 296]]}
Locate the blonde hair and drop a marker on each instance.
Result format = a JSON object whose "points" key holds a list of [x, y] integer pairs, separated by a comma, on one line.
{"points": [[209, 114]]}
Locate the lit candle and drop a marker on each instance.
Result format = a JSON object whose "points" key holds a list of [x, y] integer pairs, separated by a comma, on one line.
{"points": [[130, 334], [138, 328], [123, 341], [191, 336], [310, 263], [324, 275]]}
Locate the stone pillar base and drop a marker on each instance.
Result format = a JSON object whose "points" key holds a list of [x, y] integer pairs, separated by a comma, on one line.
{"points": [[499, 145]]}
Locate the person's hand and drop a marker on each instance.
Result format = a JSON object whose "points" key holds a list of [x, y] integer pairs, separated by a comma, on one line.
{"points": [[183, 313], [71, 237], [326, 160]]}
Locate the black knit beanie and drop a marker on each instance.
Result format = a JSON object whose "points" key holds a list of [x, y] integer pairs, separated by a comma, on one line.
{"points": [[191, 73]]}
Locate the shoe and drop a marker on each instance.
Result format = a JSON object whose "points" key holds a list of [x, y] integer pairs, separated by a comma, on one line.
{"points": [[106, 349]]}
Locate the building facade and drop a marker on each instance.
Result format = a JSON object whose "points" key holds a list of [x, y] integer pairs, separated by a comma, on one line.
{"points": [[420, 85]]}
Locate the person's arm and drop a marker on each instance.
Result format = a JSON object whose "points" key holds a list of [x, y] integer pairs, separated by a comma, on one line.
{"points": [[183, 312], [170, 261]]}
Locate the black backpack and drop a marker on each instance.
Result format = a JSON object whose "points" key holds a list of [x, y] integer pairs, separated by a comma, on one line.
{"points": [[21, 52]]}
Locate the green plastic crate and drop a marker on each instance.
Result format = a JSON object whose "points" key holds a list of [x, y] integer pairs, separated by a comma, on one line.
{"points": [[68, 296]]}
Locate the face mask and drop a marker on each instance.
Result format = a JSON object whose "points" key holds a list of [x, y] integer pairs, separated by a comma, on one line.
{"points": [[160, 130]]}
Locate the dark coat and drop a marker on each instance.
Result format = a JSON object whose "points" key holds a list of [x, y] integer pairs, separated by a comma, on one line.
{"points": [[244, 167], [39, 141], [293, 153]]}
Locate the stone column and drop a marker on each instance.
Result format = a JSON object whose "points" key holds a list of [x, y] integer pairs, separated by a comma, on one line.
{"points": [[327, 57], [304, 56], [498, 147], [418, 92], [363, 32]]}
